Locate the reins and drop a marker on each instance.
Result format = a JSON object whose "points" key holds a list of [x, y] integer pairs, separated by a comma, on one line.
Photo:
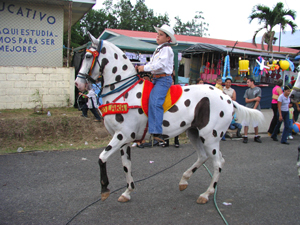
{"points": [[134, 78]]}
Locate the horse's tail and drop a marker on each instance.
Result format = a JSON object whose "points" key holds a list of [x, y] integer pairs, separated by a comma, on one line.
{"points": [[248, 114]]}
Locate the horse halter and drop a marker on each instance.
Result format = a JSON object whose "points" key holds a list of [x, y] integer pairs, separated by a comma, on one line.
{"points": [[95, 54]]}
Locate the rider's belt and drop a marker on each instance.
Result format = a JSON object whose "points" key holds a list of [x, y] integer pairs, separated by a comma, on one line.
{"points": [[155, 76]]}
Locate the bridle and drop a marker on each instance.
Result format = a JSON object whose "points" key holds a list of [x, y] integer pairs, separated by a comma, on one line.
{"points": [[95, 54], [87, 76]]}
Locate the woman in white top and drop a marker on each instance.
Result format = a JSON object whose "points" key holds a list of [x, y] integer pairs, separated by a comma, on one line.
{"points": [[283, 114], [229, 90]]}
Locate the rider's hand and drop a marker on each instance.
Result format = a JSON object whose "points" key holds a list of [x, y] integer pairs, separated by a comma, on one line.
{"points": [[140, 68]]}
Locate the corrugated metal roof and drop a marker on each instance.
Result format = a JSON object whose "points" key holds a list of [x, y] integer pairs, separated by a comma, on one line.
{"points": [[200, 48], [128, 43], [192, 40]]}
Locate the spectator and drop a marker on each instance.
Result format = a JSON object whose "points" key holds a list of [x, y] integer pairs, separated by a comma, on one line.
{"points": [[276, 91], [176, 142], [82, 101], [234, 125], [283, 112], [200, 81], [232, 94], [91, 104], [229, 90], [97, 90], [291, 121], [219, 83], [252, 97]]}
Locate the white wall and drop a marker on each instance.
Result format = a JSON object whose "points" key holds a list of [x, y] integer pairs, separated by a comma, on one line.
{"points": [[30, 34], [18, 85]]}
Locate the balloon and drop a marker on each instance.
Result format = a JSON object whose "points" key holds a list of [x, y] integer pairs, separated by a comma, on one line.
{"points": [[284, 64], [295, 128], [298, 125]]}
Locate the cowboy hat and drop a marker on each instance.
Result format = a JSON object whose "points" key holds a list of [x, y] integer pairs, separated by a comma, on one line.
{"points": [[169, 31]]}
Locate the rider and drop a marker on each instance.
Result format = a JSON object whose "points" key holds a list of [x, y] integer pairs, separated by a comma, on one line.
{"points": [[161, 67]]}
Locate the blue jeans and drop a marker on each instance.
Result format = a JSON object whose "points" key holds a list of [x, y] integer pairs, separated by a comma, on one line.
{"points": [[233, 126], [286, 118], [156, 101], [291, 122]]}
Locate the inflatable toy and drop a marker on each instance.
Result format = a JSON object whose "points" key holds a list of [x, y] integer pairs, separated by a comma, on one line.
{"points": [[226, 68], [296, 128], [207, 70], [261, 64], [243, 67], [292, 67], [284, 64]]}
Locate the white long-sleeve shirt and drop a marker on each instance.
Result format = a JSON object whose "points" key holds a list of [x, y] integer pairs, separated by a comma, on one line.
{"points": [[161, 62], [92, 97]]}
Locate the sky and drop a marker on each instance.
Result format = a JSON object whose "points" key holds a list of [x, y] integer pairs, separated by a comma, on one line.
{"points": [[227, 19]]}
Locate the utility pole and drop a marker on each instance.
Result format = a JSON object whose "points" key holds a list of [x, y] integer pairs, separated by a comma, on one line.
{"points": [[69, 32]]}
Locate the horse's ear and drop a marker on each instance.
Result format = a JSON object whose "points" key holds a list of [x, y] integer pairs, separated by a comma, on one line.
{"points": [[93, 39]]}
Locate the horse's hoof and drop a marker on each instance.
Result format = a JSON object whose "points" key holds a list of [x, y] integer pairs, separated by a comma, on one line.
{"points": [[122, 198], [202, 200], [105, 195], [182, 187]]}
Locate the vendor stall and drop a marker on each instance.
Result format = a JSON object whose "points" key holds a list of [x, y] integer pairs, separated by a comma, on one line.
{"points": [[210, 61]]}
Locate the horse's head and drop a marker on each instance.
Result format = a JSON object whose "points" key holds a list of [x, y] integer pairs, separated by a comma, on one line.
{"points": [[104, 60], [295, 93]]}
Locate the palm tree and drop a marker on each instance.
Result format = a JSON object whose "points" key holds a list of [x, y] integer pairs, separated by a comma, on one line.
{"points": [[270, 18]]}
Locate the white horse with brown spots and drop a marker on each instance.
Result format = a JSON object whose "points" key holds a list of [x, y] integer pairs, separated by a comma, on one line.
{"points": [[203, 111]]}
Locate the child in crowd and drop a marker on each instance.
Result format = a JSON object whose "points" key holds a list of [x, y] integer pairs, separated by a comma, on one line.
{"points": [[219, 83], [91, 104], [200, 81], [234, 125], [291, 121]]}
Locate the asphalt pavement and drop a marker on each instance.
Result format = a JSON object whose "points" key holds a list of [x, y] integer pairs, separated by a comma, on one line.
{"points": [[258, 185]]}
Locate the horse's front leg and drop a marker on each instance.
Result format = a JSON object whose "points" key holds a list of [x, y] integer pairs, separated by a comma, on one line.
{"points": [[115, 144], [126, 161]]}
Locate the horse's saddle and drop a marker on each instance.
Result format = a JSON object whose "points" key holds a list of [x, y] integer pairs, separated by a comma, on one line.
{"points": [[173, 95]]}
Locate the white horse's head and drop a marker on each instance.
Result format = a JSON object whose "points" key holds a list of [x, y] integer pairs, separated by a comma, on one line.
{"points": [[103, 60], [295, 94]]}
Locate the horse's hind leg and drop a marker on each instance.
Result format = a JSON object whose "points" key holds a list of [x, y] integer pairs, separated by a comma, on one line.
{"points": [[213, 150], [202, 157], [126, 161]]}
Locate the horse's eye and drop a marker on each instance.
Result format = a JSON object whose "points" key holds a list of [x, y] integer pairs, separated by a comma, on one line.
{"points": [[88, 56]]}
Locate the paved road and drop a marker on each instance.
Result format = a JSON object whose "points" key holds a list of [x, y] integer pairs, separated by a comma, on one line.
{"points": [[259, 180]]}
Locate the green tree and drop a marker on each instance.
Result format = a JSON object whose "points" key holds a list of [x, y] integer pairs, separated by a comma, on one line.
{"points": [[180, 27], [202, 25], [269, 18], [195, 27], [139, 17], [96, 21]]}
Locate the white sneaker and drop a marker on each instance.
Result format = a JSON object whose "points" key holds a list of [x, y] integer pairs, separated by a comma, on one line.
{"points": [[290, 137], [134, 144]]}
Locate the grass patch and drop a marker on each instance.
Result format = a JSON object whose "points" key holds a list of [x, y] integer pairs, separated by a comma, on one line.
{"points": [[65, 129]]}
